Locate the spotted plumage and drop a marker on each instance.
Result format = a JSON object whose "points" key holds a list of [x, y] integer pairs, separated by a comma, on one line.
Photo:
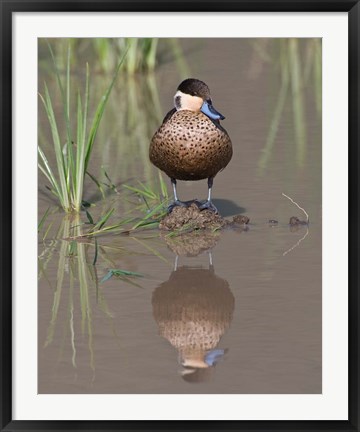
{"points": [[191, 144]]}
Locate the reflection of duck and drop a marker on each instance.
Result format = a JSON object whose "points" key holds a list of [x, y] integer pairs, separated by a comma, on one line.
{"points": [[190, 144], [193, 309]]}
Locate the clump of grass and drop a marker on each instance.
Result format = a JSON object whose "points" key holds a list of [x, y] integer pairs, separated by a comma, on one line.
{"points": [[73, 157], [100, 227], [153, 204], [148, 195]]}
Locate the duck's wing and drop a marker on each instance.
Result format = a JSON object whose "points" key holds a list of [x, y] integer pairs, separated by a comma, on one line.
{"points": [[169, 115], [218, 125]]}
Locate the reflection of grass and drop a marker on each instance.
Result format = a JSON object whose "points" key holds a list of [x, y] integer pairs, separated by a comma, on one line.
{"points": [[75, 272], [276, 119], [139, 115], [59, 283], [293, 75], [77, 283], [43, 219], [297, 100]]}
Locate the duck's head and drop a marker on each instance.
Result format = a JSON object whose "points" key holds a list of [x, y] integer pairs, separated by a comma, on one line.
{"points": [[194, 95]]}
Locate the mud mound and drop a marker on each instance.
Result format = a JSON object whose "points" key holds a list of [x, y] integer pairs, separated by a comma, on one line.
{"points": [[192, 218]]}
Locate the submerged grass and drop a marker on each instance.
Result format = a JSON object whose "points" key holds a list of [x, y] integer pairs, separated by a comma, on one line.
{"points": [[77, 271], [73, 157]]}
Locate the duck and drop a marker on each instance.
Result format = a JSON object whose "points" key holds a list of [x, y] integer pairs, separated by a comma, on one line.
{"points": [[191, 144]]}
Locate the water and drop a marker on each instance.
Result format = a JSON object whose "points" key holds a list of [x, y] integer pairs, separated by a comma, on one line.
{"points": [[256, 298]]}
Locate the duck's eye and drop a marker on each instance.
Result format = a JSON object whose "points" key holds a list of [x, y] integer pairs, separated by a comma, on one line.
{"points": [[178, 102]]}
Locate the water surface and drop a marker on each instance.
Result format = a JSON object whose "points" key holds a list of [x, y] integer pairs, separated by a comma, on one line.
{"points": [[241, 310]]}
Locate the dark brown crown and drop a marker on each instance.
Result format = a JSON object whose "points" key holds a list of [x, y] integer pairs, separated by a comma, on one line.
{"points": [[195, 87]]}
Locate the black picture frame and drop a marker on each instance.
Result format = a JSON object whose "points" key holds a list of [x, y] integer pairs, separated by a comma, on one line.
{"points": [[7, 8]]}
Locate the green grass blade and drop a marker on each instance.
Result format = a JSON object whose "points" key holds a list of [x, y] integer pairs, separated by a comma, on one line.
{"points": [[111, 184], [69, 145], [141, 192], [163, 188], [57, 146], [103, 220], [64, 99], [42, 220], [48, 173], [67, 105], [106, 277], [98, 184], [96, 251], [123, 274], [154, 211], [90, 219], [81, 150], [79, 137], [120, 272], [53, 125], [80, 169]]}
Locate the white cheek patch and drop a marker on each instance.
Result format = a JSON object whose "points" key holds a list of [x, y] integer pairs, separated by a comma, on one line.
{"points": [[184, 101]]}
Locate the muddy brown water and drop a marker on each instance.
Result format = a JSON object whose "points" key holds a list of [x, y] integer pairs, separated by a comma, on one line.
{"points": [[256, 298]]}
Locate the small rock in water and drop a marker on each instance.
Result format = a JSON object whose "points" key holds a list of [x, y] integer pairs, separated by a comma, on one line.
{"points": [[296, 221], [241, 219]]}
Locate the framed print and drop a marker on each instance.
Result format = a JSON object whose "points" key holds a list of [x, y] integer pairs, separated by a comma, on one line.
{"points": [[179, 215]]}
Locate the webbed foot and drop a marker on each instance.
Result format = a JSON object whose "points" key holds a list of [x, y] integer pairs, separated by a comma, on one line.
{"points": [[176, 203], [208, 205]]}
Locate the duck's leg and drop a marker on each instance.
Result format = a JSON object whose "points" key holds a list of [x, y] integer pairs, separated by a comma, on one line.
{"points": [[208, 204], [176, 202], [173, 182]]}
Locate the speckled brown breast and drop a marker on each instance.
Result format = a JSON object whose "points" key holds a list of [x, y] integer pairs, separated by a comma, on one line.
{"points": [[189, 146]]}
